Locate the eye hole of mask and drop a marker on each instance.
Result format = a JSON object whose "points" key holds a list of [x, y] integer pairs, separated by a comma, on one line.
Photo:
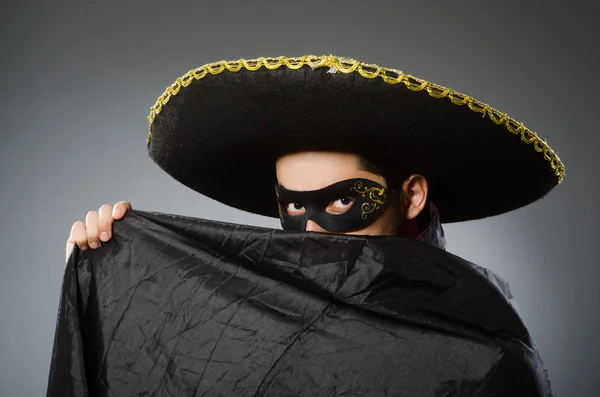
{"points": [[294, 209], [340, 205], [336, 207]]}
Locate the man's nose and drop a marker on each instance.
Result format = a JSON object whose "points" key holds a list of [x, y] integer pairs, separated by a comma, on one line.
{"points": [[311, 226]]}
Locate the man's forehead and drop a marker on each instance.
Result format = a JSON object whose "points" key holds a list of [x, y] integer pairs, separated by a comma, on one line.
{"points": [[316, 170]]}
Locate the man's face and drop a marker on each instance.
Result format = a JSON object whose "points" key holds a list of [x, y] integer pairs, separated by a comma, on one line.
{"points": [[315, 170]]}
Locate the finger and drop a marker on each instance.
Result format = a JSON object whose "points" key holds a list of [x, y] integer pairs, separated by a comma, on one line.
{"points": [[120, 209], [91, 229], [78, 235], [105, 221], [70, 245]]}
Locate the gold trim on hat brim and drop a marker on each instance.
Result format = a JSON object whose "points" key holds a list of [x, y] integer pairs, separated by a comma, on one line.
{"points": [[391, 76]]}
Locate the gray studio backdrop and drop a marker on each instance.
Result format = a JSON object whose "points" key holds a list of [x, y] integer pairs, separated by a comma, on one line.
{"points": [[78, 80]]}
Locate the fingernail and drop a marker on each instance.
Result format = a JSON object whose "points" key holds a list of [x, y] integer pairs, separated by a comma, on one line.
{"points": [[104, 236], [94, 245], [84, 247], [117, 213]]}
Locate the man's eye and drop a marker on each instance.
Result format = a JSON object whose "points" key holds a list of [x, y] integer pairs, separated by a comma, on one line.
{"points": [[295, 209], [340, 205], [345, 201]]}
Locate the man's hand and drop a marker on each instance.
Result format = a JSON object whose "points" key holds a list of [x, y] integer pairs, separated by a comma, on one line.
{"points": [[97, 227]]}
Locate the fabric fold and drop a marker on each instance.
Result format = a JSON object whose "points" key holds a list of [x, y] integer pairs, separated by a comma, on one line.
{"points": [[179, 306]]}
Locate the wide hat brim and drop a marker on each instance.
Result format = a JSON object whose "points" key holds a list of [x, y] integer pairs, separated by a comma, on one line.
{"points": [[220, 128]]}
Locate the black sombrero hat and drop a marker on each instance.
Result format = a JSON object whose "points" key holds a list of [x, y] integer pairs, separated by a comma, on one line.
{"points": [[220, 128]]}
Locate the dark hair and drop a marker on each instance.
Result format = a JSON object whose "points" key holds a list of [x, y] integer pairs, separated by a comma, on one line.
{"points": [[395, 176]]}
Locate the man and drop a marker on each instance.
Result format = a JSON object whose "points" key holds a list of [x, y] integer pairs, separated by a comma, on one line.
{"points": [[335, 146]]}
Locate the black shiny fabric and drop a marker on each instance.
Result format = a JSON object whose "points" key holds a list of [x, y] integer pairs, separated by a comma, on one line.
{"points": [[175, 306]]}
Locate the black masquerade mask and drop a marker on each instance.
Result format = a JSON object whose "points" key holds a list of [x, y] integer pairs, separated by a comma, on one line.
{"points": [[345, 206]]}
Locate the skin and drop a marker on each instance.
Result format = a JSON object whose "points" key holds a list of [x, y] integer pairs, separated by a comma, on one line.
{"points": [[298, 171], [97, 227]]}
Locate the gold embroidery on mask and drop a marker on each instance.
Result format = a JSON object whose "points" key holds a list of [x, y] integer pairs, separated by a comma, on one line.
{"points": [[279, 206], [376, 195]]}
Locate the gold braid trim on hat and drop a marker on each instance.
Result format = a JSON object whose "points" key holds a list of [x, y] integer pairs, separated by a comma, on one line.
{"points": [[391, 76]]}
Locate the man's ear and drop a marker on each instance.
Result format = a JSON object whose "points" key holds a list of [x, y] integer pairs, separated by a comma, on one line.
{"points": [[414, 193]]}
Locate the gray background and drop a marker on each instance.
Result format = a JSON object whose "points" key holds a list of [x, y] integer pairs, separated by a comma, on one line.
{"points": [[78, 80]]}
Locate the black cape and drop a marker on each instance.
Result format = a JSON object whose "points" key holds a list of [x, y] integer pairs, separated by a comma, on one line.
{"points": [[176, 306]]}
